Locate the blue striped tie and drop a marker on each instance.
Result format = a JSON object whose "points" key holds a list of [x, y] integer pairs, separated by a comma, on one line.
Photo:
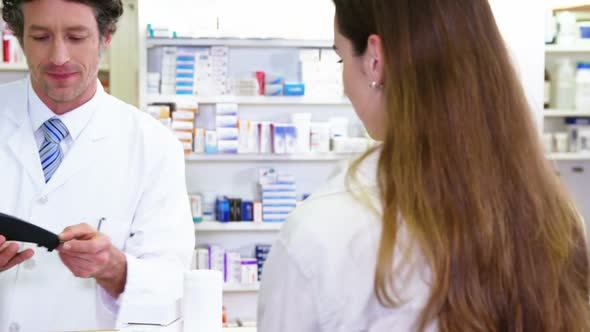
{"points": [[50, 152]]}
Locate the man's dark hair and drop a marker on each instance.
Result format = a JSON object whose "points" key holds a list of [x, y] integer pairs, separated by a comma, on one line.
{"points": [[107, 12]]}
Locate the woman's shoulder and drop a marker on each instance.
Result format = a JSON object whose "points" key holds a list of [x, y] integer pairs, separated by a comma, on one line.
{"points": [[344, 214]]}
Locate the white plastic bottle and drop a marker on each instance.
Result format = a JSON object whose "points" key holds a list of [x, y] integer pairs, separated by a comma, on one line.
{"points": [[583, 87], [565, 87], [567, 29]]}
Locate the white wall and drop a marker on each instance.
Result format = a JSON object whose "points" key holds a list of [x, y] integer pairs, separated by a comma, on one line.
{"points": [[305, 19]]}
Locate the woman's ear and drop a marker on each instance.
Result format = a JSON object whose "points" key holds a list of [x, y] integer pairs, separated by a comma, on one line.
{"points": [[375, 58]]}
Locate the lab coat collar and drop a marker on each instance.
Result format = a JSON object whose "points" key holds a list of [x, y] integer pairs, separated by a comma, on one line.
{"points": [[91, 144], [75, 120], [21, 140]]}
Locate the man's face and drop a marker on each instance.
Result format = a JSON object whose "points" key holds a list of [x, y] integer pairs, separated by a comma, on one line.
{"points": [[62, 44]]}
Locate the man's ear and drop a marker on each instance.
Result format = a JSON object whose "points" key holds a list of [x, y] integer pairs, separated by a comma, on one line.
{"points": [[107, 40]]}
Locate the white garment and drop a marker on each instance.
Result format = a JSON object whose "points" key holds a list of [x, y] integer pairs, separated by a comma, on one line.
{"points": [[123, 166], [319, 275]]}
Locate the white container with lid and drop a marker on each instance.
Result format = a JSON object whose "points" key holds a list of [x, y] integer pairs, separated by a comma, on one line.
{"points": [[202, 301], [565, 85], [568, 33], [561, 142]]}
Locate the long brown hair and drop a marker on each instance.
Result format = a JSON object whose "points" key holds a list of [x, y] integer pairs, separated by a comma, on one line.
{"points": [[461, 167]]}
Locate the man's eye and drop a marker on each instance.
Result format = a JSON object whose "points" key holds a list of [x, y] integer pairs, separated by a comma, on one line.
{"points": [[77, 38]]}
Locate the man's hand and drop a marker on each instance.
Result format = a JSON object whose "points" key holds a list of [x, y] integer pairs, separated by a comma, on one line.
{"points": [[90, 254], [9, 255]]}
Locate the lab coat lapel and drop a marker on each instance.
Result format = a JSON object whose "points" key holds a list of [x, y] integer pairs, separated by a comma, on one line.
{"points": [[22, 140], [91, 145]]}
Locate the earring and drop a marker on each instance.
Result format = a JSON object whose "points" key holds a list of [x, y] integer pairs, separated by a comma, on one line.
{"points": [[374, 85]]}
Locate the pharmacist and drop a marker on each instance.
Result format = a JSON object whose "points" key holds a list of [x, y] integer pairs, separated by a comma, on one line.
{"points": [[82, 164]]}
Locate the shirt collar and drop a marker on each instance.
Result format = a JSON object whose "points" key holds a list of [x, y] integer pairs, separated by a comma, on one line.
{"points": [[75, 120]]}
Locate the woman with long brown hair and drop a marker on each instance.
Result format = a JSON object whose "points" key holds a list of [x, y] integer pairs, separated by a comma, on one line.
{"points": [[456, 221]]}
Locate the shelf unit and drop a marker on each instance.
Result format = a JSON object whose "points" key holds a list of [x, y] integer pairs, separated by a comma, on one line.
{"points": [[242, 226], [577, 5], [238, 42], [554, 113], [576, 52], [241, 288], [311, 157], [247, 100], [565, 50], [569, 156], [14, 66], [239, 329], [237, 174]]}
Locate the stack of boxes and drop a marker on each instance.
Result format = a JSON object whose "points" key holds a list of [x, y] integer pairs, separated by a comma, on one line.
{"points": [[245, 87], [247, 136], [279, 195], [284, 138], [168, 74], [203, 72], [162, 112], [235, 268], [219, 71], [185, 73], [183, 125], [261, 252], [227, 128]]}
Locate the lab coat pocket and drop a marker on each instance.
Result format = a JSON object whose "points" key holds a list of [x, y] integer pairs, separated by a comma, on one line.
{"points": [[117, 229]]}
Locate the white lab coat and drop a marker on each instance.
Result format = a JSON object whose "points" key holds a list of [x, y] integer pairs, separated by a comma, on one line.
{"points": [[124, 167], [319, 273]]}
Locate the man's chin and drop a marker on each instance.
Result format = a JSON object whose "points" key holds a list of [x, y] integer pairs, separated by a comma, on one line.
{"points": [[62, 95]]}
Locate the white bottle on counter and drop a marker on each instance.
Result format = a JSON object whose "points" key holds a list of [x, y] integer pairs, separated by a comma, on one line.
{"points": [[565, 88], [583, 87]]}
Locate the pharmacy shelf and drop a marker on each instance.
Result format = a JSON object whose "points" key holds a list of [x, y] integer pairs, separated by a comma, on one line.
{"points": [[242, 226], [240, 288], [234, 42], [569, 156], [554, 113], [576, 49], [307, 157], [14, 66], [576, 5], [23, 67], [247, 100]]}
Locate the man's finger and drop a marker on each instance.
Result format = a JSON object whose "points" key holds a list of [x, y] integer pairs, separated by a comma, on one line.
{"points": [[7, 252], [98, 243], [80, 231], [19, 258], [7, 244]]}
